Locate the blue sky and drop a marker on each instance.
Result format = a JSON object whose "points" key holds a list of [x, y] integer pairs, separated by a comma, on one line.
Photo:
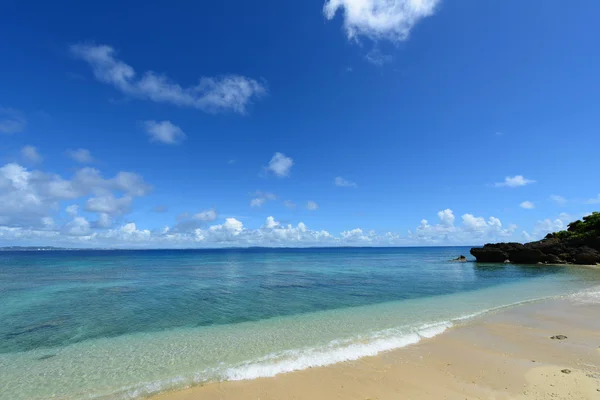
{"points": [[321, 122]]}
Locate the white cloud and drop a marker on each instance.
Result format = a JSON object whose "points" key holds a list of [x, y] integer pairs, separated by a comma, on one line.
{"points": [[79, 226], [211, 94], [376, 57], [206, 215], [280, 165], [72, 210], [260, 198], [31, 154], [82, 156], [109, 204], [514, 181], [561, 201], [380, 19], [528, 205], [104, 221], [11, 121], [290, 204], [446, 217], [311, 205], [472, 231], [594, 200], [26, 195], [341, 182], [164, 132], [257, 202]]}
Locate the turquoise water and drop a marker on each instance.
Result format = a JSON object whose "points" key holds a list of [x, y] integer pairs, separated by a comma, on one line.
{"points": [[125, 324]]}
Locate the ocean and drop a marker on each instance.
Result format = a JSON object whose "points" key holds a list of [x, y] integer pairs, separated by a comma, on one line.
{"points": [[104, 324]]}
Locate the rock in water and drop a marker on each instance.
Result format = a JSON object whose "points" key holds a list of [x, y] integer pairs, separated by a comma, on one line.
{"points": [[579, 244], [460, 259]]}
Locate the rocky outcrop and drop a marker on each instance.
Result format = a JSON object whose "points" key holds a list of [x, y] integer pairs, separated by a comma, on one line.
{"points": [[579, 244]]}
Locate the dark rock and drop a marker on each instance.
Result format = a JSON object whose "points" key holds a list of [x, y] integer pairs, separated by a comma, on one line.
{"points": [[527, 256], [558, 337], [579, 244], [460, 259], [565, 371], [554, 259], [489, 254], [586, 256]]}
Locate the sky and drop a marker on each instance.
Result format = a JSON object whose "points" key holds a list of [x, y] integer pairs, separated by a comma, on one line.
{"points": [[296, 123]]}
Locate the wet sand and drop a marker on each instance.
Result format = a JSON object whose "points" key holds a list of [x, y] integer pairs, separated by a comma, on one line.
{"points": [[504, 355]]}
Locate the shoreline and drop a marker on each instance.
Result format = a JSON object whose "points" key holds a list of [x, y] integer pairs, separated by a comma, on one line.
{"points": [[503, 354]]}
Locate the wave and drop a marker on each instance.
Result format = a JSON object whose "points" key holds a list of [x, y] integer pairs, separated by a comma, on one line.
{"points": [[334, 352]]}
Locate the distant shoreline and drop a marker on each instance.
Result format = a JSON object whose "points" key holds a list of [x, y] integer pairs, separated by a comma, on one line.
{"points": [[43, 248]]}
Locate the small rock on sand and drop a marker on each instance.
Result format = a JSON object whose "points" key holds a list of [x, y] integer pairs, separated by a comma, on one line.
{"points": [[558, 337], [565, 371]]}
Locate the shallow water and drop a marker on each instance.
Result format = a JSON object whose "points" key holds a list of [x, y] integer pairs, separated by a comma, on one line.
{"points": [[122, 324]]}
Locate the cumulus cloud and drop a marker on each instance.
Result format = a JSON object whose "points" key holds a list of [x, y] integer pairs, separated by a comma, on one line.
{"points": [[11, 121], [260, 198], [561, 201], [187, 222], [472, 230], [446, 217], [26, 195], [514, 181], [82, 156], [280, 165], [528, 205], [311, 205], [211, 94], [72, 210], [206, 215], [164, 132], [341, 182], [31, 154], [380, 19], [79, 226], [109, 204]]}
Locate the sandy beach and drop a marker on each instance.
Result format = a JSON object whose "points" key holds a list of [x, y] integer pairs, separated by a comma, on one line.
{"points": [[508, 354]]}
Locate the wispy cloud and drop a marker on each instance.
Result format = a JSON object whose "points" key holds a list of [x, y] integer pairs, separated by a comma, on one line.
{"points": [[280, 165], [528, 205], [161, 208], [380, 19], [311, 205], [82, 156], [514, 181], [260, 198], [31, 154], [594, 200], [211, 94], [561, 201], [11, 120], [164, 132], [290, 204], [341, 182], [376, 57]]}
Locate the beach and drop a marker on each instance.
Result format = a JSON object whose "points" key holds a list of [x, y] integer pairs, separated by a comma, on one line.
{"points": [[507, 354], [290, 324]]}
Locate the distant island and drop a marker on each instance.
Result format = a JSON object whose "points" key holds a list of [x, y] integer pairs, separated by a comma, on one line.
{"points": [[579, 244], [31, 248]]}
